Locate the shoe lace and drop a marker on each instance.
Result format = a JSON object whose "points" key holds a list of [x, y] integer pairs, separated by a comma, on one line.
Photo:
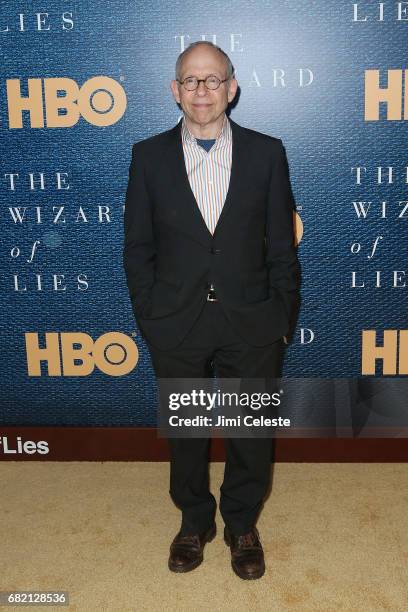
{"points": [[186, 540], [248, 539]]}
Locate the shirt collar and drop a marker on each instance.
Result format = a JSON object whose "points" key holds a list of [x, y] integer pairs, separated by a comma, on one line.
{"points": [[223, 139]]}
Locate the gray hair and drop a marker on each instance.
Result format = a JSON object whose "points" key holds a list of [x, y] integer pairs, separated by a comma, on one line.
{"points": [[230, 67]]}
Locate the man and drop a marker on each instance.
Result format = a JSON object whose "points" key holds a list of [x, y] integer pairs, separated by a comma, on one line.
{"points": [[213, 278]]}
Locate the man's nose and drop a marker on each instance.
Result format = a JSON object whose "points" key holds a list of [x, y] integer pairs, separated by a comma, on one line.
{"points": [[201, 89]]}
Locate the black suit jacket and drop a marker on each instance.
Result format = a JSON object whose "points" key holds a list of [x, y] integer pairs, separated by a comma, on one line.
{"points": [[170, 257]]}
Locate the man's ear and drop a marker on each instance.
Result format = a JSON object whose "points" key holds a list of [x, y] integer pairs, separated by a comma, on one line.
{"points": [[174, 89], [232, 89]]}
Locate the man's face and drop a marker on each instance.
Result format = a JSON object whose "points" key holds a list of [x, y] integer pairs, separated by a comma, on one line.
{"points": [[204, 106]]}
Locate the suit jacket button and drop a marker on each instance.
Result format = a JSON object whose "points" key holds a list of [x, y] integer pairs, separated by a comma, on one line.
{"points": [[215, 251]]}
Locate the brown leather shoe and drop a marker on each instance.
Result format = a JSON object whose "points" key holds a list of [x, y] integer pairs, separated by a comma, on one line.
{"points": [[247, 557], [186, 552]]}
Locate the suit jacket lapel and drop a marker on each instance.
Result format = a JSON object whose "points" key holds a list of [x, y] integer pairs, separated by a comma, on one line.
{"points": [[190, 214]]}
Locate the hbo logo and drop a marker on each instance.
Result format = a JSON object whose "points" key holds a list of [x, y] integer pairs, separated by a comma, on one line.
{"points": [[100, 101], [113, 353]]}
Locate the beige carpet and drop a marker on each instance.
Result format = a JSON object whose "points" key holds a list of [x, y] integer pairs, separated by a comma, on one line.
{"points": [[335, 538]]}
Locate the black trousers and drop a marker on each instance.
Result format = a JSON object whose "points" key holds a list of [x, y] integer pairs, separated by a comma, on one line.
{"points": [[213, 345]]}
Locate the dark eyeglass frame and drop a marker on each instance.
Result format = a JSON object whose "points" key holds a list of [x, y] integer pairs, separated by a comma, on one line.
{"points": [[202, 81]]}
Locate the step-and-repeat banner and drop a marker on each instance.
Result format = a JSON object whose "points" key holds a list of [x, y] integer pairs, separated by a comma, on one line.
{"points": [[82, 81]]}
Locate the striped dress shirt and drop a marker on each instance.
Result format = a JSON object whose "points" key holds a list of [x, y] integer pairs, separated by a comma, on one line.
{"points": [[209, 173]]}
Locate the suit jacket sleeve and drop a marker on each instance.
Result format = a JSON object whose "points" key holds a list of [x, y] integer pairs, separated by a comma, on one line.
{"points": [[281, 254], [139, 245]]}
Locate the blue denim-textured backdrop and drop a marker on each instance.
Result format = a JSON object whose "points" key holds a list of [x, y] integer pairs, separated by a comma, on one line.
{"points": [[322, 127]]}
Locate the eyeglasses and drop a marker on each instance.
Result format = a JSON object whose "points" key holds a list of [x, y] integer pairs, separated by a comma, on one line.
{"points": [[211, 82]]}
